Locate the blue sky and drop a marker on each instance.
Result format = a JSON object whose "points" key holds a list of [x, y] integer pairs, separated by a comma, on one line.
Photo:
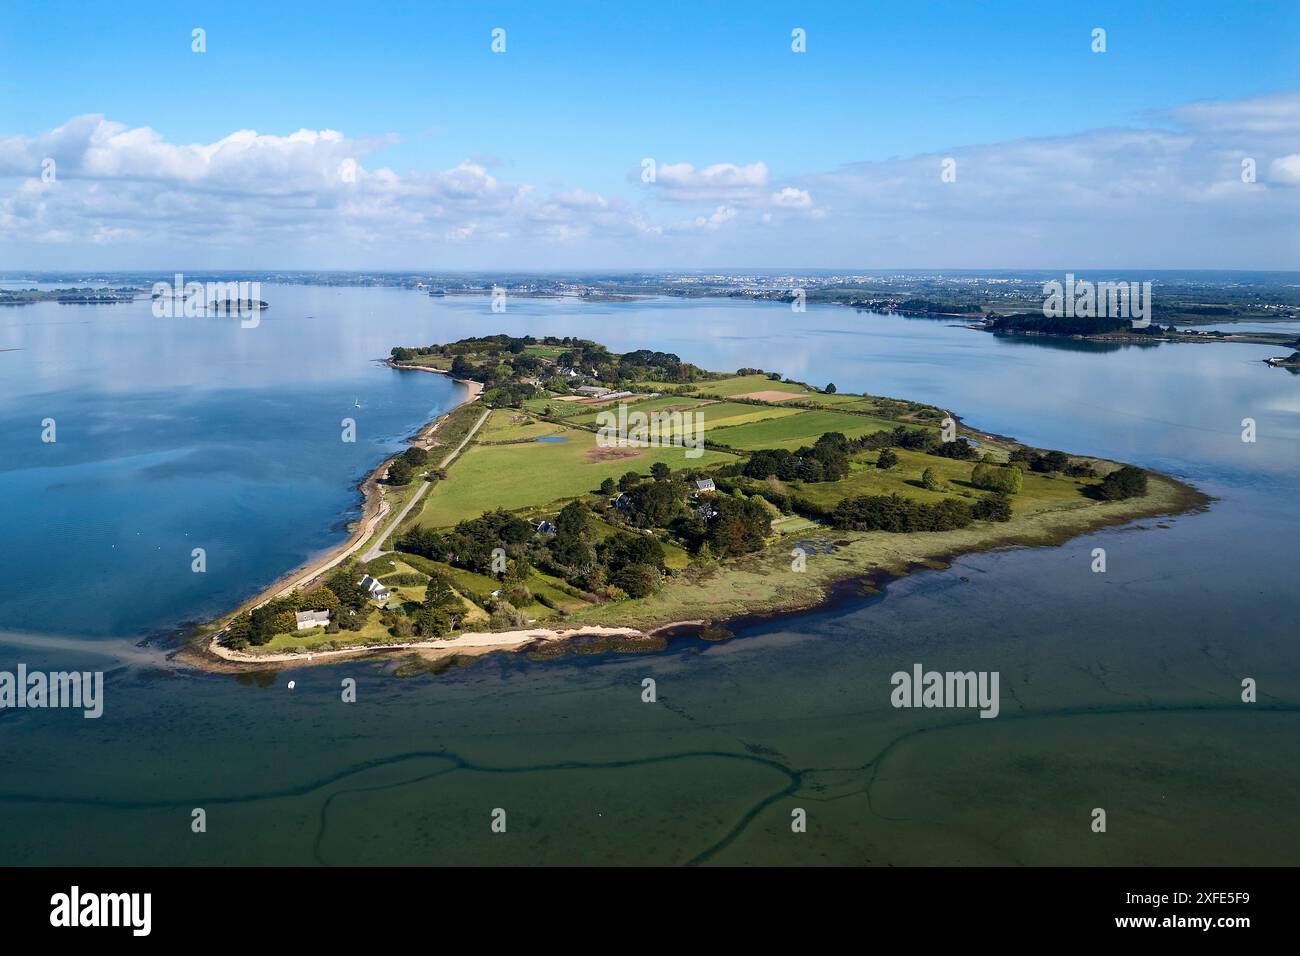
{"points": [[586, 90]]}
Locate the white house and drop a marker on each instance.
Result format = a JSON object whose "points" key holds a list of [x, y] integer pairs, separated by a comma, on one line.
{"points": [[705, 484], [377, 591], [308, 619], [592, 391]]}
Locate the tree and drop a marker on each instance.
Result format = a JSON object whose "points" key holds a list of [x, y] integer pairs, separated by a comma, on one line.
{"points": [[1050, 461], [441, 611], [517, 571], [506, 616], [571, 547], [659, 471], [629, 480], [415, 456], [656, 503], [741, 526], [887, 458], [399, 472], [900, 515], [322, 599], [997, 478], [624, 549], [1125, 482], [992, 507], [345, 582], [704, 561], [638, 580], [607, 487], [960, 449], [237, 632], [830, 389], [931, 480]]}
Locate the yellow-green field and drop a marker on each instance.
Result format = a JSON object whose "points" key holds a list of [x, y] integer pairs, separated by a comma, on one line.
{"points": [[714, 414], [505, 424], [802, 428], [743, 384], [537, 473], [1039, 493]]}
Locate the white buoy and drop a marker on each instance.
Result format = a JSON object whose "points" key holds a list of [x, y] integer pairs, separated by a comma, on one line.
{"points": [[291, 683]]}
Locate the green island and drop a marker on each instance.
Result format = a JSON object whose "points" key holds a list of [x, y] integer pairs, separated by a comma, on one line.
{"points": [[1112, 330], [533, 517]]}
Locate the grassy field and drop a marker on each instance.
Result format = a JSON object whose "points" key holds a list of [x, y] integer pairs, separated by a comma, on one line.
{"points": [[572, 411], [742, 384], [792, 431], [537, 473], [430, 361], [505, 424], [1039, 493], [715, 414]]}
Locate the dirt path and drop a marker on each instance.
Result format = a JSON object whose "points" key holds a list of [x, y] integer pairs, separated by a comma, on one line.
{"points": [[374, 510], [376, 549]]}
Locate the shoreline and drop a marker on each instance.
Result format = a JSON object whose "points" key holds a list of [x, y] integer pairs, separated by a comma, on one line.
{"points": [[375, 508], [1273, 339], [910, 553]]}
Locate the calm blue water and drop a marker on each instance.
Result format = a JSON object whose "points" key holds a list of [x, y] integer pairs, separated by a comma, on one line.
{"points": [[1120, 690], [176, 434]]}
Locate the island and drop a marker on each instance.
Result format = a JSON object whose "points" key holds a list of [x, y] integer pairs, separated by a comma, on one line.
{"points": [[1289, 362], [70, 296], [581, 500], [1120, 331]]}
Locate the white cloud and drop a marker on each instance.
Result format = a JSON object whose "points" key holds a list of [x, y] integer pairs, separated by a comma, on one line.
{"points": [[792, 198], [1286, 169], [1168, 195], [682, 182]]}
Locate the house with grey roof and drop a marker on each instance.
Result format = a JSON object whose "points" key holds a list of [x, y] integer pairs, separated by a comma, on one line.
{"points": [[377, 591], [307, 619]]}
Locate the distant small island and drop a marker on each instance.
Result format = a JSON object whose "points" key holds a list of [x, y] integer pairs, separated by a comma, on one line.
{"points": [[583, 499], [1103, 329], [1290, 362], [75, 296]]}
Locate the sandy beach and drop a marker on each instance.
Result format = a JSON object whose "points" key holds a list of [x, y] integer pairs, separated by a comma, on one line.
{"points": [[375, 509], [465, 644]]}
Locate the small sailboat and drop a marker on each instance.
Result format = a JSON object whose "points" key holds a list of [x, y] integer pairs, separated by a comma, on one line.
{"points": [[357, 404]]}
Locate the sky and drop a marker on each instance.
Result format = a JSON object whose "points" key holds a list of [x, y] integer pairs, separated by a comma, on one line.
{"points": [[649, 136]]}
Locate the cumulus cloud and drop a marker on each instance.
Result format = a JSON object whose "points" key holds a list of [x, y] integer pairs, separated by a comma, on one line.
{"points": [[1170, 196], [682, 182], [792, 198], [1167, 194], [1286, 169]]}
